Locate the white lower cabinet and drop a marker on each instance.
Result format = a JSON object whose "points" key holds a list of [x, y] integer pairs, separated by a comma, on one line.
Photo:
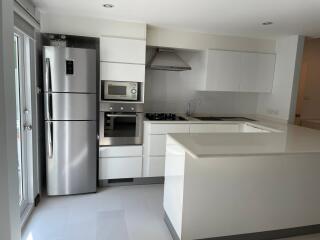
{"points": [[120, 167], [120, 162], [157, 145], [157, 165], [155, 137]]}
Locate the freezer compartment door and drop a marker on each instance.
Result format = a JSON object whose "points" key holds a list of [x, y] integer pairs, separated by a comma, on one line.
{"points": [[69, 69], [70, 106], [71, 155]]}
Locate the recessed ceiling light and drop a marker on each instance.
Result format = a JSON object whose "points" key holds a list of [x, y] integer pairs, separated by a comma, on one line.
{"points": [[267, 23], [108, 5]]}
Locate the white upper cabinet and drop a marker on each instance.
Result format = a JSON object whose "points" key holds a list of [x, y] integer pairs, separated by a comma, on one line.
{"points": [[122, 72], [234, 71], [122, 50], [223, 71], [258, 72]]}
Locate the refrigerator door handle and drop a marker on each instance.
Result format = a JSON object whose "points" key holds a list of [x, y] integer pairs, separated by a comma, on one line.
{"points": [[48, 102], [50, 139], [48, 86]]}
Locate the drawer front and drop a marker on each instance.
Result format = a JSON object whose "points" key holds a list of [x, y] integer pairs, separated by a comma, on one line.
{"points": [[122, 72], [157, 166], [157, 145], [169, 128], [120, 151], [212, 128], [122, 167], [122, 50]]}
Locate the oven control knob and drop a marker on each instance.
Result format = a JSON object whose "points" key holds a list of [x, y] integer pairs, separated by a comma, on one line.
{"points": [[133, 91], [132, 109], [121, 108], [111, 108]]}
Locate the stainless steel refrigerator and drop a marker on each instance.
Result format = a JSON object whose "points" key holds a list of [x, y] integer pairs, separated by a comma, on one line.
{"points": [[70, 120]]}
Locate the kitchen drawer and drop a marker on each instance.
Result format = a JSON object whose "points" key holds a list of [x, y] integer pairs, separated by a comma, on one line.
{"points": [[156, 167], [121, 167], [120, 151], [122, 50], [157, 145], [169, 128], [212, 128], [122, 72]]}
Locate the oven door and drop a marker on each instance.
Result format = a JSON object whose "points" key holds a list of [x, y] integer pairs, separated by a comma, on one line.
{"points": [[120, 129]]}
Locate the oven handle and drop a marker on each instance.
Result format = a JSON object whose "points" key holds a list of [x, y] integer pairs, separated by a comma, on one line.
{"points": [[121, 115]]}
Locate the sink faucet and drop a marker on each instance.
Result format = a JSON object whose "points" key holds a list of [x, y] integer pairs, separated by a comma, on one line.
{"points": [[193, 103], [188, 112]]}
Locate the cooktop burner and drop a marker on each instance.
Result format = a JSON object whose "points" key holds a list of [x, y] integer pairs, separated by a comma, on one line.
{"points": [[164, 117]]}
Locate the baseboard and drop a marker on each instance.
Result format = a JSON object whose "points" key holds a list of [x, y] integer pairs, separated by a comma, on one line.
{"points": [[267, 235], [131, 181]]}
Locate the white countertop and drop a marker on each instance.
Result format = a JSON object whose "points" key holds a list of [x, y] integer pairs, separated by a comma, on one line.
{"points": [[292, 140]]}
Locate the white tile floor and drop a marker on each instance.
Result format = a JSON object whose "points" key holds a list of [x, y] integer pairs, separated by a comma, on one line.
{"points": [[115, 213]]}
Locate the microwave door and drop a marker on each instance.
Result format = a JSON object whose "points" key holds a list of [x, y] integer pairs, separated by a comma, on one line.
{"points": [[115, 91]]}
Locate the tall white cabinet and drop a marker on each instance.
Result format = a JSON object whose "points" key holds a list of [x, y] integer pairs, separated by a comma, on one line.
{"points": [[123, 59], [235, 71]]}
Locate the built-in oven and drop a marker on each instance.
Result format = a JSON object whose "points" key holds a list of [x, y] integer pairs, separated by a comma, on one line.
{"points": [[118, 90], [121, 124]]}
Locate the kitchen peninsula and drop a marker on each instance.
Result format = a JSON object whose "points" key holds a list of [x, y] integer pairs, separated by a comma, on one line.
{"points": [[242, 185]]}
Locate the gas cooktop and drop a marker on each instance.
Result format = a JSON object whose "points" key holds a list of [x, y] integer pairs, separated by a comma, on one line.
{"points": [[164, 117]]}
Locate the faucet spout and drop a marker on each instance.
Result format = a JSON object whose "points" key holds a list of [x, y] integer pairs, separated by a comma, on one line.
{"points": [[188, 112]]}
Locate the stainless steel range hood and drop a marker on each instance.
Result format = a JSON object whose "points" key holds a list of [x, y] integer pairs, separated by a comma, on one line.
{"points": [[167, 60]]}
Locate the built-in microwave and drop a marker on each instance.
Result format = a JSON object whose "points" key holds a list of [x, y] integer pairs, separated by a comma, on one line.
{"points": [[116, 90]]}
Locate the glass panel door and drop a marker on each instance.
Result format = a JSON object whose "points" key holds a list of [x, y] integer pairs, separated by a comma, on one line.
{"points": [[23, 100]]}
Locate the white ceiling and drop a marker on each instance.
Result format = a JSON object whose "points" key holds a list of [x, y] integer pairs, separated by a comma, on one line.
{"points": [[232, 17]]}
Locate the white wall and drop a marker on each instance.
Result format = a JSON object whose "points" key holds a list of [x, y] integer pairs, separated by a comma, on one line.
{"points": [[92, 27], [201, 41], [278, 103], [9, 209], [171, 91]]}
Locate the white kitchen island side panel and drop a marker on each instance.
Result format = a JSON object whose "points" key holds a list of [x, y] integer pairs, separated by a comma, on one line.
{"points": [[174, 184], [224, 196]]}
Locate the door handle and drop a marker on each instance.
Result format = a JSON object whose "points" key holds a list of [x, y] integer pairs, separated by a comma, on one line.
{"points": [[121, 115], [27, 127], [48, 86], [48, 102], [50, 140]]}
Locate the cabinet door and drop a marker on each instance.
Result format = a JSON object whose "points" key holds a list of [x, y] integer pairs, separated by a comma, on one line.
{"points": [[120, 151], [120, 167], [122, 72], [157, 145], [257, 72], [223, 70], [157, 165], [122, 50]]}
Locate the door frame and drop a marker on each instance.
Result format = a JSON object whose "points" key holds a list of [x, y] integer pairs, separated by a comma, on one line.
{"points": [[26, 57]]}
